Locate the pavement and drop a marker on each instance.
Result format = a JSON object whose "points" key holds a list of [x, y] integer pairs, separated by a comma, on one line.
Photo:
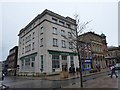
{"points": [[101, 82], [58, 76]]}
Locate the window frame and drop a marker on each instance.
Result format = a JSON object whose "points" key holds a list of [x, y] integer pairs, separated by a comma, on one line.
{"points": [[62, 32], [54, 30], [63, 42], [41, 42], [55, 42], [55, 61]]}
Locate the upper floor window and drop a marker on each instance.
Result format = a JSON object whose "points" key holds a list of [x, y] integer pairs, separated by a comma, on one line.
{"points": [[33, 35], [41, 30], [55, 41], [41, 42], [68, 25], [54, 30], [61, 22], [70, 45], [54, 20], [69, 34], [28, 38], [23, 41], [22, 50], [62, 33], [63, 44], [28, 48], [33, 45]]}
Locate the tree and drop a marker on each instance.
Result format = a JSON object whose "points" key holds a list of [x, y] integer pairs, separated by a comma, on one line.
{"points": [[73, 39]]}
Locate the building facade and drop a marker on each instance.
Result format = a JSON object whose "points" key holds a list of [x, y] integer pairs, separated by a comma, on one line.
{"points": [[97, 49], [11, 62], [42, 44], [86, 55], [113, 55]]}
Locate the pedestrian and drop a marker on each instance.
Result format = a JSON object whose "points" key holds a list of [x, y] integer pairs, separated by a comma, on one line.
{"points": [[112, 67], [3, 75], [70, 70], [99, 67], [73, 70], [77, 70]]}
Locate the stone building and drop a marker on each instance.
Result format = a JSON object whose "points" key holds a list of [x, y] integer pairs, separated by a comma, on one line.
{"points": [[97, 47], [42, 44], [113, 55], [86, 55], [11, 61]]}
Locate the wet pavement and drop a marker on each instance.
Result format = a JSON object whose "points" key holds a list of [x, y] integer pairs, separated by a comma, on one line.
{"points": [[100, 82], [37, 82]]}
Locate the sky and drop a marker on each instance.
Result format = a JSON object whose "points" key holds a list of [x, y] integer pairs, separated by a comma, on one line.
{"points": [[16, 15]]}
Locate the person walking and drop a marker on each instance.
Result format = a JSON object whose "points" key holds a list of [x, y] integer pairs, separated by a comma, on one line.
{"points": [[77, 70], [112, 67]]}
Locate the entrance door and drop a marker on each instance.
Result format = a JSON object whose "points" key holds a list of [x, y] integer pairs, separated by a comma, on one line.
{"points": [[64, 63]]}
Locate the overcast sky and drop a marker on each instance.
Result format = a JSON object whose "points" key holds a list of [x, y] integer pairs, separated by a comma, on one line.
{"points": [[16, 15]]}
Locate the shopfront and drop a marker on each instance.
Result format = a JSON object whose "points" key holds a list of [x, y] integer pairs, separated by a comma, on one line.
{"points": [[86, 64]]}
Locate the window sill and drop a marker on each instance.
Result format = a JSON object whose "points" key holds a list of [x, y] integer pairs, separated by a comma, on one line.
{"points": [[63, 47], [55, 46], [41, 33], [41, 46], [54, 33]]}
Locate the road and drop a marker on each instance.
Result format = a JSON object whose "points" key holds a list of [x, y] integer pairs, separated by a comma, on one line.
{"points": [[17, 82]]}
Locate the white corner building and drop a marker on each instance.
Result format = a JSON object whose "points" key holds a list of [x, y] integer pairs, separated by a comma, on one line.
{"points": [[43, 47]]}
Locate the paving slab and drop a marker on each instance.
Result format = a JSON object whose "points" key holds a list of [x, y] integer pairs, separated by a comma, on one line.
{"points": [[101, 82]]}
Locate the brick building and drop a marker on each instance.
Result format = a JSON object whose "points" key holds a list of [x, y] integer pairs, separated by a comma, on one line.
{"points": [[97, 47], [113, 55], [11, 62]]}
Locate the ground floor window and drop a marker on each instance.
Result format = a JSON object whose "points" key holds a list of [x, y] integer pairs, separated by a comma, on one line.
{"points": [[22, 64], [64, 62], [32, 61], [28, 63], [41, 63], [55, 61], [64, 57], [87, 64], [71, 60]]}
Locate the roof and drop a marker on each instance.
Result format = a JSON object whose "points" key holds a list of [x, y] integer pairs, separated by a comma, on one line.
{"points": [[111, 48], [46, 11], [92, 33], [15, 47]]}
